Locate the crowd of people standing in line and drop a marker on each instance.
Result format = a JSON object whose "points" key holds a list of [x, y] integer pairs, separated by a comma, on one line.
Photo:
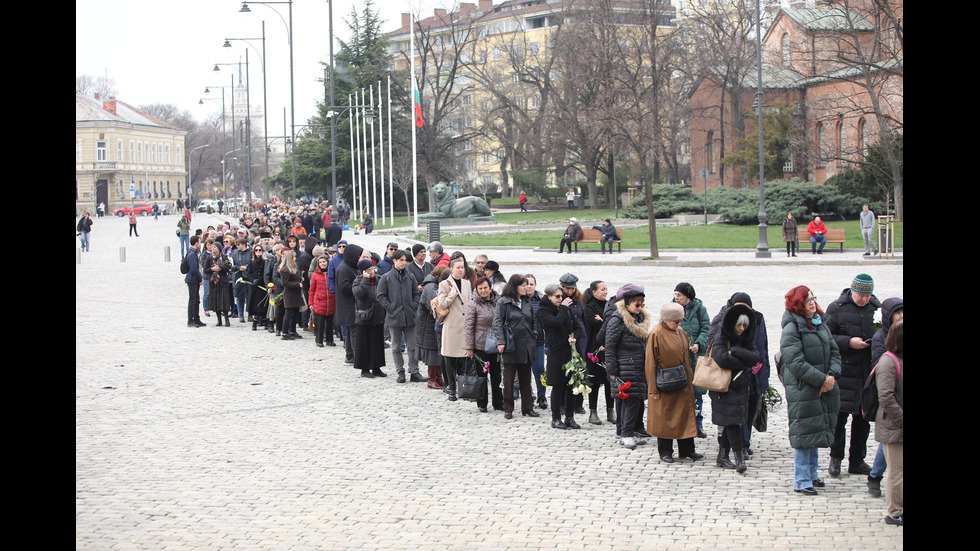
{"points": [[433, 308]]}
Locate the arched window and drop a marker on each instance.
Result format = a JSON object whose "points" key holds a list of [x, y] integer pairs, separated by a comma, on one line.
{"points": [[821, 139], [786, 50], [841, 142]]}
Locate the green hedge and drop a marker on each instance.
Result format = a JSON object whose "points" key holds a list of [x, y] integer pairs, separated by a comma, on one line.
{"points": [[741, 206]]}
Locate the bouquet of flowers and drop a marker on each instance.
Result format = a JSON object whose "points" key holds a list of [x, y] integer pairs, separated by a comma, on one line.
{"points": [[623, 387], [576, 372]]}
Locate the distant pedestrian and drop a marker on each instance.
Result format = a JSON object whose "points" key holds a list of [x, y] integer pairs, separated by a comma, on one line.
{"points": [[132, 223], [84, 228], [868, 230], [570, 197], [523, 201]]}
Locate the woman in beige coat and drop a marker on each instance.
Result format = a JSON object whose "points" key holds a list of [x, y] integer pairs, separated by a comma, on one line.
{"points": [[890, 421], [671, 416], [454, 294]]}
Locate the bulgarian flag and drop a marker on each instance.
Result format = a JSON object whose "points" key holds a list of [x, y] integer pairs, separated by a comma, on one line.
{"points": [[418, 110]]}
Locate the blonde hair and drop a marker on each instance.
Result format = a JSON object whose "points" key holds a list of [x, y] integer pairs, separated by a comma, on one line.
{"points": [[288, 262]]}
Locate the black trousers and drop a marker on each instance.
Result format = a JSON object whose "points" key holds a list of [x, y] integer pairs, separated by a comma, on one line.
{"points": [[193, 302], [860, 429], [566, 241], [731, 437], [685, 446]]}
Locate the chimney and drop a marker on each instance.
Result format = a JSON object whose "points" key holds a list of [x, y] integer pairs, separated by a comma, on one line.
{"points": [[110, 104], [485, 4], [466, 7], [440, 13], [406, 19]]}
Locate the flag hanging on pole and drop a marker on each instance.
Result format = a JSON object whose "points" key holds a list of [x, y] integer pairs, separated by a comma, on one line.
{"points": [[418, 110]]}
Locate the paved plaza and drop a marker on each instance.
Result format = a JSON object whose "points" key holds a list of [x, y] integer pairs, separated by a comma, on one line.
{"points": [[224, 438]]}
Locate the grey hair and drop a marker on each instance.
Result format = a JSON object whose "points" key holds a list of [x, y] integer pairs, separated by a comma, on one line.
{"points": [[435, 246], [742, 320], [551, 289]]}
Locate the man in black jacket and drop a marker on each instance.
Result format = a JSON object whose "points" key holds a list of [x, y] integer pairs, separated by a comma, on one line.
{"points": [[850, 319], [194, 279]]}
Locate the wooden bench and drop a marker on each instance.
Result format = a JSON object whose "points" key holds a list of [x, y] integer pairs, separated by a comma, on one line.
{"points": [[590, 235], [833, 235]]}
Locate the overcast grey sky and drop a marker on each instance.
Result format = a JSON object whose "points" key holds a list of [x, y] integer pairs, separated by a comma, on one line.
{"points": [[164, 52]]}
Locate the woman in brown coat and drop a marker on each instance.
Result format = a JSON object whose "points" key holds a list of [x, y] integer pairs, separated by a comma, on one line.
{"points": [[890, 421], [670, 416]]}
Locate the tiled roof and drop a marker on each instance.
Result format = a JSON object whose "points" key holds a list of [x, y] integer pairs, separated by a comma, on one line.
{"points": [[91, 109], [828, 19]]}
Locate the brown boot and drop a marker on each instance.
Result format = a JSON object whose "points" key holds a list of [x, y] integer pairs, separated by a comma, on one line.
{"points": [[435, 378]]}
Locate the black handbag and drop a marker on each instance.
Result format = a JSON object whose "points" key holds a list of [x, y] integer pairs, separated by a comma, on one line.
{"points": [[473, 382], [671, 379], [365, 317]]}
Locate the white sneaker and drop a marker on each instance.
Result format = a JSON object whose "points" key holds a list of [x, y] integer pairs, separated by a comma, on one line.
{"points": [[628, 442]]}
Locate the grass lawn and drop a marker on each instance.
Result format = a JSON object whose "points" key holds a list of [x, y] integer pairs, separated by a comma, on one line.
{"points": [[713, 236]]}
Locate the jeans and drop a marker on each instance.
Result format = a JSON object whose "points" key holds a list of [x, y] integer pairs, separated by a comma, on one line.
{"points": [[878, 468], [207, 293], [185, 245], [819, 238], [85, 240], [804, 468], [537, 369]]}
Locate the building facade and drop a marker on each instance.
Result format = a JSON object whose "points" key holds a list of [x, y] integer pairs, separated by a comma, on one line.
{"points": [[123, 156], [841, 69]]}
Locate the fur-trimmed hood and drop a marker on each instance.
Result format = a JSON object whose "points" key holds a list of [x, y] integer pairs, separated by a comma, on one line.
{"points": [[638, 325]]}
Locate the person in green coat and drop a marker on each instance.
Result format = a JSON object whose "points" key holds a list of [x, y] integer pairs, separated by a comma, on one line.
{"points": [[696, 324], [811, 367]]}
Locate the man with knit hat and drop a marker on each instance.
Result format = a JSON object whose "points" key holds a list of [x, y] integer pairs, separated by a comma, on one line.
{"points": [[850, 319], [419, 267]]}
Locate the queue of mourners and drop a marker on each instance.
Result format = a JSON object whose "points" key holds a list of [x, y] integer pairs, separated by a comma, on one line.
{"points": [[476, 334]]}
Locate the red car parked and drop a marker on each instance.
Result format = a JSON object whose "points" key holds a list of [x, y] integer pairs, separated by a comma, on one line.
{"points": [[142, 209]]}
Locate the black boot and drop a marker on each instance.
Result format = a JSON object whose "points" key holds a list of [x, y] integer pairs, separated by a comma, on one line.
{"points": [[723, 460], [740, 465], [219, 319], [570, 422]]}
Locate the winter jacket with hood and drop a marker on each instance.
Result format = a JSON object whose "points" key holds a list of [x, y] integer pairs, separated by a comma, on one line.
{"points": [[845, 319], [344, 278]]}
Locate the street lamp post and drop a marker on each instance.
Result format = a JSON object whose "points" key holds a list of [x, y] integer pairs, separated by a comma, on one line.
{"points": [[265, 107], [292, 93], [762, 249]]}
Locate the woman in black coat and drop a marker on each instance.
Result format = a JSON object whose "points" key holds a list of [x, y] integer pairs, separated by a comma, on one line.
{"points": [[344, 279], [734, 349], [255, 274], [560, 335], [625, 341], [594, 306], [369, 350], [216, 268], [292, 296], [514, 310]]}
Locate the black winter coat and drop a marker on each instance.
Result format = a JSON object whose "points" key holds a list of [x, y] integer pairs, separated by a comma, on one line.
{"points": [[738, 354], [845, 320], [626, 349], [522, 323], [344, 278], [558, 325], [366, 296]]}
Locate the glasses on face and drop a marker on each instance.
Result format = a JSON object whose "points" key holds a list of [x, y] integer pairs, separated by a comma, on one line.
{"points": [[810, 300], [556, 295]]}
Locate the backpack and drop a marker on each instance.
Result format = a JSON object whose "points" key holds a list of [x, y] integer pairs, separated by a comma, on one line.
{"points": [[869, 392], [184, 266]]}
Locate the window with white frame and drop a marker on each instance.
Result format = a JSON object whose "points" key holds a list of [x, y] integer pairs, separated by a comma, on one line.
{"points": [[101, 151]]}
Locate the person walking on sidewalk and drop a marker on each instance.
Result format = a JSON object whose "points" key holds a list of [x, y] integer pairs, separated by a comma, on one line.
{"points": [[84, 228], [132, 223]]}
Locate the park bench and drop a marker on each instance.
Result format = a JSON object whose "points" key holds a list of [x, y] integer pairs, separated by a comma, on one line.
{"points": [[590, 235], [833, 235]]}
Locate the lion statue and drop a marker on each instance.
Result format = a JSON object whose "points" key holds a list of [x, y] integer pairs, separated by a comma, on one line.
{"points": [[464, 207]]}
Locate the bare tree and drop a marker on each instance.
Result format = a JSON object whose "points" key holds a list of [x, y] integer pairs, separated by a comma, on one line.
{"points": [[104, 86], [443, 87]]}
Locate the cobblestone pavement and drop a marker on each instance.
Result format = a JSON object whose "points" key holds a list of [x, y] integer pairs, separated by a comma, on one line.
{"points": [[220, 437]]}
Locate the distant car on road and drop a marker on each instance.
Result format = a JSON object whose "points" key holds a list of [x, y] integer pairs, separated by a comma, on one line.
{"points": [[141, 209], [203, 206]]}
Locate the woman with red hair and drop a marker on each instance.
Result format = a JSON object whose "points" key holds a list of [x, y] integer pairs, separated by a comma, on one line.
{"points": [[811, 367]]}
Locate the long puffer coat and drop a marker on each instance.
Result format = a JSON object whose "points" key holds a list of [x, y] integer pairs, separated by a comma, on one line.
{"points": [[558, 325], [737, 354], [809, 354]]}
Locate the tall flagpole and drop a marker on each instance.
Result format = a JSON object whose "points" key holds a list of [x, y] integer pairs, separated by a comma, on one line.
{"points": [[353, 165], [357, 156], [381, 151], [415, 180], [391, 174]]}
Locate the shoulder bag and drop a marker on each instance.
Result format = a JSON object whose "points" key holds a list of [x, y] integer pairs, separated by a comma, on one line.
{"points": [[473, 382], [709, 376], [671, 379]]}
